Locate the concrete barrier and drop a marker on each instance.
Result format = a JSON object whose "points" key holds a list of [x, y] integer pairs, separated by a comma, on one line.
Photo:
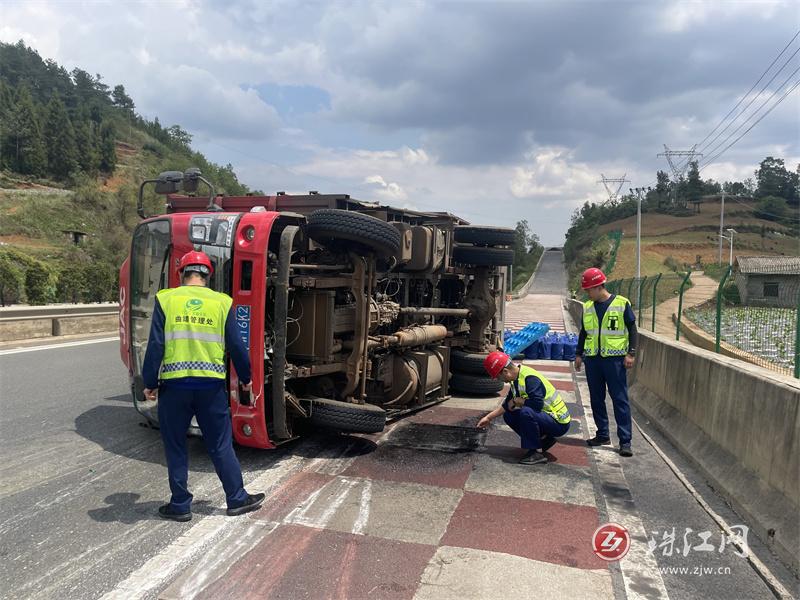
{"points": [[27, 328], [738, 423], [85, 324]]}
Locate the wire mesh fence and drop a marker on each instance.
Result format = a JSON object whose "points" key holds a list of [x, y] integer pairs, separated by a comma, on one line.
{"points": [[754, 317], [648, 297]]}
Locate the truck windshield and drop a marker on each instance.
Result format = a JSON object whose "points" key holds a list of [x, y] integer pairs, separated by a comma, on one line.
{"points": [[151, 244]]}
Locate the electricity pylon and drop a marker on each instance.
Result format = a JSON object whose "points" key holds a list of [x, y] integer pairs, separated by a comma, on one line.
{"points": [[678, 169], [608, 183]]}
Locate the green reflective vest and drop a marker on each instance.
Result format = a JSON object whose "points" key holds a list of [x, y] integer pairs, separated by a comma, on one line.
{"points": [[609, 338], [194, 332], [553, 404]]}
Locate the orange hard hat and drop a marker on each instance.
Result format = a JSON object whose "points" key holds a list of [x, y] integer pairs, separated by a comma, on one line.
{"points": [[197, 262], [592, 277], [496, 362]]}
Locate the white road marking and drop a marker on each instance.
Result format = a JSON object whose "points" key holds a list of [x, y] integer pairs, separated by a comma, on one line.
{"points": [[363, 509], [166, 564], [56, 346]]}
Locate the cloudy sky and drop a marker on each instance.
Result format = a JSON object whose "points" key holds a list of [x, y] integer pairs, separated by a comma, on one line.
{"points": [[495, 111]]}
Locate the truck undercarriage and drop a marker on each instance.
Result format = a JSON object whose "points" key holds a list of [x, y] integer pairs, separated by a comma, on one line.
{"points": [[354, 312]]}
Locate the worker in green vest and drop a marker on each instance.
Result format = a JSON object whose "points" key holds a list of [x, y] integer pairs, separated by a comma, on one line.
{"points": [[607, 345], [184, 368], [533, 407]]}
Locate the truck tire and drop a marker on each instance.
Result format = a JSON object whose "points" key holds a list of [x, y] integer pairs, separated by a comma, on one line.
{"points": [[339, 228], [346, 416], [485, 236], [475, 385], [467, 362], [483, 257]]}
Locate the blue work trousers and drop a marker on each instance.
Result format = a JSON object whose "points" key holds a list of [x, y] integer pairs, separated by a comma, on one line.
{"points": [[610, 372], [530, 425], [176, 407]]}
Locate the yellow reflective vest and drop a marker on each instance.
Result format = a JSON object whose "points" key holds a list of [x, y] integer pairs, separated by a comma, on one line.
{"points": [[194, 332], [553, 404], [609, 338]]}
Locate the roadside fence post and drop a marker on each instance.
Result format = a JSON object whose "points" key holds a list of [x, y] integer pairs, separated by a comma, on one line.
{"points": [[719, 308], [655, 287], [680, 306]]}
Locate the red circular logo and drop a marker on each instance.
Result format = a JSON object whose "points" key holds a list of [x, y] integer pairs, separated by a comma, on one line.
{"points": [[611, 541]]}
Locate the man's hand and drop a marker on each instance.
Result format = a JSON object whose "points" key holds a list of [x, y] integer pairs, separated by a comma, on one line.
{"points": [[629, 360], [150, 394], [578, 363], [485, 422], [247, 387]]}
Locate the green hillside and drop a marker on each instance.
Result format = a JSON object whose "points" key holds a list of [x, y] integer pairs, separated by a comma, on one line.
{"points": [[72, 151], [680, 224]]}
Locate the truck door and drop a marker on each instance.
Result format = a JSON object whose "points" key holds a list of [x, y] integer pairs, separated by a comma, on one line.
{"points": [[149, 272]]}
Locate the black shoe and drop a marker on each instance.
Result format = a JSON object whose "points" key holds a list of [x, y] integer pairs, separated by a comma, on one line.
{"points": [[625, 450], [533, 457], [167, 512], [598, 441], [252, 503], [547, 443]]}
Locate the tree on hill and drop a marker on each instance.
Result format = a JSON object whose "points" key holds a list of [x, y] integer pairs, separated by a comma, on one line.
{"points": [[108, 150], [21, 146], [59, 136], [773, 179], [121, 99]]}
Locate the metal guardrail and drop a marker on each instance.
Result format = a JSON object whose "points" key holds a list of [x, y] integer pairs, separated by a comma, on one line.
{"points": [[58, 310]]}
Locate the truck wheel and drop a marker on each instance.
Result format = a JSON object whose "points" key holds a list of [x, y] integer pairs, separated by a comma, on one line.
{"points": [[345, 228], [485, 236], [346, 416], [467, 362], [483, 257], [475, 385]]}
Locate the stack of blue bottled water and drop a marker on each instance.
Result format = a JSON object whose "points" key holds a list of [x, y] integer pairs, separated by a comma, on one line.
{"points": [[517, 343], [553, 346]]}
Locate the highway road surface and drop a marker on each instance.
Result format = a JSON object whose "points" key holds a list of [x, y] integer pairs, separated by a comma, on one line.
{"points": [[431, 509]]}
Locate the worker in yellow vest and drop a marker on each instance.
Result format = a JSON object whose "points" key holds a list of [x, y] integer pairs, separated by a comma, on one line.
{"points": [[184, 369], [607, 345], [533, 407]]}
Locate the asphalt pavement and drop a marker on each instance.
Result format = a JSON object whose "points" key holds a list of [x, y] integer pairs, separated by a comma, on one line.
{"points": [[81, 480]]}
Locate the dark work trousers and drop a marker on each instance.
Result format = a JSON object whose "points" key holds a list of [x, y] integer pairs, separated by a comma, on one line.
{"points": [[531, 425], [602, 373], [176, 406]]}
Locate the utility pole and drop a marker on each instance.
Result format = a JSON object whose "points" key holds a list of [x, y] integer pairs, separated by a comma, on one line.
{"points": [[721, 221], [608, 183], [678, 169], [729, 237], [639, 192]]}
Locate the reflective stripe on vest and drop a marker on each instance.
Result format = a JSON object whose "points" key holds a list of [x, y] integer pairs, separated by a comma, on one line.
{"points": [[553, 404], [194, 332], [601, 338]]}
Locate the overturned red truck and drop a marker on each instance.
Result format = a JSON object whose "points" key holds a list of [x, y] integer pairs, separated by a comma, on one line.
{"points": [[353, 312]]}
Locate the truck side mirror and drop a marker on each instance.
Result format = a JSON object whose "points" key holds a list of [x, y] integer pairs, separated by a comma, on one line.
{"points": [[169, 182]]}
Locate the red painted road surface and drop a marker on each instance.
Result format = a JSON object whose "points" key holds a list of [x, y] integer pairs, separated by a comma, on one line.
{"points": [[387, 521]]}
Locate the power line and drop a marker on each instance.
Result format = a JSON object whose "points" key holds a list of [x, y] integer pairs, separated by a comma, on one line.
{"points": [[771, 108], [749, 104], [783, 66], [752, 88]]}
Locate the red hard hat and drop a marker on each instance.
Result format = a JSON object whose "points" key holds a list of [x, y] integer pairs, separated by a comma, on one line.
{"points": [[592, 277], [198, 260], [496, 362]]}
